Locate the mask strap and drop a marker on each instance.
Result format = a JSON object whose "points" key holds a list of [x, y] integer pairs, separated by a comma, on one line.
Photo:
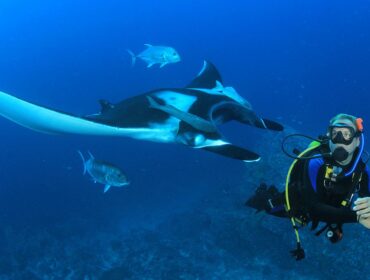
{"points": [[358, 156]]}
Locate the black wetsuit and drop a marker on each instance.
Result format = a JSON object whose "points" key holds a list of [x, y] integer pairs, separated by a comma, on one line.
{"points": [[313, 196]]}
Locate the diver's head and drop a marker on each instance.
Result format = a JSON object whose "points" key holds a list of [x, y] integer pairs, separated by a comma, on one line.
{"points": [[344, 137]]}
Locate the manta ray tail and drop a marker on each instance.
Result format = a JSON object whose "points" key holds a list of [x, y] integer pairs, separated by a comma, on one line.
{"points": [[234, 152]]}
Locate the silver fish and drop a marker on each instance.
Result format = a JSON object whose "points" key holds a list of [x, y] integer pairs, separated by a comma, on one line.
{"points": [[162, 55], [104, 172]]}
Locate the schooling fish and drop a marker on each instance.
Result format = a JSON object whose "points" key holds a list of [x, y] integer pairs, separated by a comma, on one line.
{"points": [[104, 172], [162, 55]]}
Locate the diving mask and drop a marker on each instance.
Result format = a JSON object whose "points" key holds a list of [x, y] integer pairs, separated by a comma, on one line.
{"points": [[342, 134]]}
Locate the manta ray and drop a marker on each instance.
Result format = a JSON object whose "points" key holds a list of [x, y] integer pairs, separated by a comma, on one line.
{"points": [[188, 115]]}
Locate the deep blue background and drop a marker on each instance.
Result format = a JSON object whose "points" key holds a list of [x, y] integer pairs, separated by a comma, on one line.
{"points": [[298, 62]]}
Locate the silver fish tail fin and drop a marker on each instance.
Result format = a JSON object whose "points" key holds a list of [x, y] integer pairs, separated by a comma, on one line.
{"points": [[133, 57], [83, 161], [91, 155]]}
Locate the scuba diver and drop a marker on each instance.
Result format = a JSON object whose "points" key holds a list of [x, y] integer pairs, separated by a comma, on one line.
{"points": [[328, 182]]}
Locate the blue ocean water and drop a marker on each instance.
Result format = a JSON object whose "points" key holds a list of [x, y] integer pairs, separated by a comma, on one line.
{"points": [[298, 63]]}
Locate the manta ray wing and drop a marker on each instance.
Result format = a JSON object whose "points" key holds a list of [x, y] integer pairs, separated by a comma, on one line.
{"points": [[45, 120], [269, 124], [185, 115], [207, 77], [234, 152]]}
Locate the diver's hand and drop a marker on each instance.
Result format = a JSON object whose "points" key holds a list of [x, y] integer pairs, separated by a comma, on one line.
{"points": [[365, 222], [362, 209]]}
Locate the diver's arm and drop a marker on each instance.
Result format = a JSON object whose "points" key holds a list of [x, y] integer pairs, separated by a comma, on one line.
{"points": [[322, 211], [327, 213], [330, 214], [362, 205]]}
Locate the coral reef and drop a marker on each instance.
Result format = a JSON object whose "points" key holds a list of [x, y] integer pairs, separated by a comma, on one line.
{"points": [[217, 238]]}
